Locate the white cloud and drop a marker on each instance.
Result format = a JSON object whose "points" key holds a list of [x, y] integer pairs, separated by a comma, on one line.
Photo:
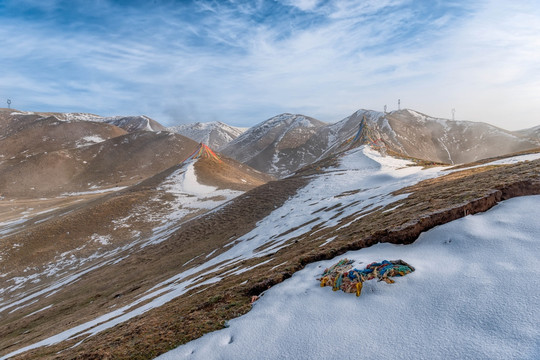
{"points": [[231, 66], [304, 5]]}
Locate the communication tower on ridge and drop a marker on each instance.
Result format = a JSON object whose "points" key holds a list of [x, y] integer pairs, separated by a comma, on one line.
{"points": [[9, 103], [453, 114], [399, 104], [385, 109]]}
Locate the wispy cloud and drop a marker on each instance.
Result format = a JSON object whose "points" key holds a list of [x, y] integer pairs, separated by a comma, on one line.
{"points": [[244, 61]]}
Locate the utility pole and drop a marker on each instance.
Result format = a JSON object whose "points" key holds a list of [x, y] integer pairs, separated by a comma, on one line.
{"points": [[399, 104], [453, 114], [9, 103]]}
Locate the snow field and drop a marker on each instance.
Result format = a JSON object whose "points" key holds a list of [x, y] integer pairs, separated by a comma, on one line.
{"points": [[474, 295]]}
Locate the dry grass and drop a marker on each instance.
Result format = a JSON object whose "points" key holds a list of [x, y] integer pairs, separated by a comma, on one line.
{"points": [[187, 317]]}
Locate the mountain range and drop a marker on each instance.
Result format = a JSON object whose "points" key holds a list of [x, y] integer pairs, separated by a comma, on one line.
{"points": [[121, 240], [285, 143]]}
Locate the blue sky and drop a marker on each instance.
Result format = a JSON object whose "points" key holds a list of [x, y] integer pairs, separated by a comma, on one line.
{"points": [[242, 62]]}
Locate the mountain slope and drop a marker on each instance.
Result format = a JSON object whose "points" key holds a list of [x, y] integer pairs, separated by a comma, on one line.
{"points": [[532, 133], [128, 123], [205, 272], [454, 142], [27, 135], [119, 161], [406, 132], [214, 134], [61, 245], [271, 145], [455, 305]]}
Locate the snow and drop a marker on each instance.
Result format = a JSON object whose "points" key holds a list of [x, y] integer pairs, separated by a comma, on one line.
{"points": [[89, 140], [362, 182], [470, 297], [99, 191]]}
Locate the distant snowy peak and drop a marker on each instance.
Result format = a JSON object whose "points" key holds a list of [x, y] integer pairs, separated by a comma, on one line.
{"points": [[214, 134], [135, 123], [282, 123]]}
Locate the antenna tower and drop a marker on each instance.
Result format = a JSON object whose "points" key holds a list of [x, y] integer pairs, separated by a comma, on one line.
{"points": [[399, 104], [385, 109], [453, 114], [9, 103]]}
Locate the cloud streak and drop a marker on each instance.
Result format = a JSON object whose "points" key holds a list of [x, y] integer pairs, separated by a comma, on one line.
{"points": [[244, 61]]}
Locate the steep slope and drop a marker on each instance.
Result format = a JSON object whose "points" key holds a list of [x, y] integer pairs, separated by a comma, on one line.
{"points": [[128, 123], [454, 142], [455, 305], [214, 134], [120, 161], [135, 123], [271, 146], [190, 281]]}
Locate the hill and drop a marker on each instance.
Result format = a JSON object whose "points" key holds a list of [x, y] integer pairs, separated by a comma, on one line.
{"points": [[189, 279], [272, 146], [128, 123], [151, 237]]}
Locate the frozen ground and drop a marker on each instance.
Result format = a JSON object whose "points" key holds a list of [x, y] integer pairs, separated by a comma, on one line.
{"points": [[474, 295]]}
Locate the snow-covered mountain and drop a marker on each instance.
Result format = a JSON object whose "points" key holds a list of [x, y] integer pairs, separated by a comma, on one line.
{"points": [[214, 134], [407, 132], [272, 146]]}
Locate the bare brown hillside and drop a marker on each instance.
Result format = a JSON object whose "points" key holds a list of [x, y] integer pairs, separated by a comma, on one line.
{"points": [[120, 161], [206, 308]]}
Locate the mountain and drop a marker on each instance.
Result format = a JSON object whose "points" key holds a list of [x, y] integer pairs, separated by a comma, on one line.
{"points": [[128, 123], [175, 280], [532, 133], [214, 134], [119, 161], [23, 135], [406, 132], [155, 238], [271, 146], [454, 142]]}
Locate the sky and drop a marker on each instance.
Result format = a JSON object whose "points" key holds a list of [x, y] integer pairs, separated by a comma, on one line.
{"points": [[241, 62]]}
